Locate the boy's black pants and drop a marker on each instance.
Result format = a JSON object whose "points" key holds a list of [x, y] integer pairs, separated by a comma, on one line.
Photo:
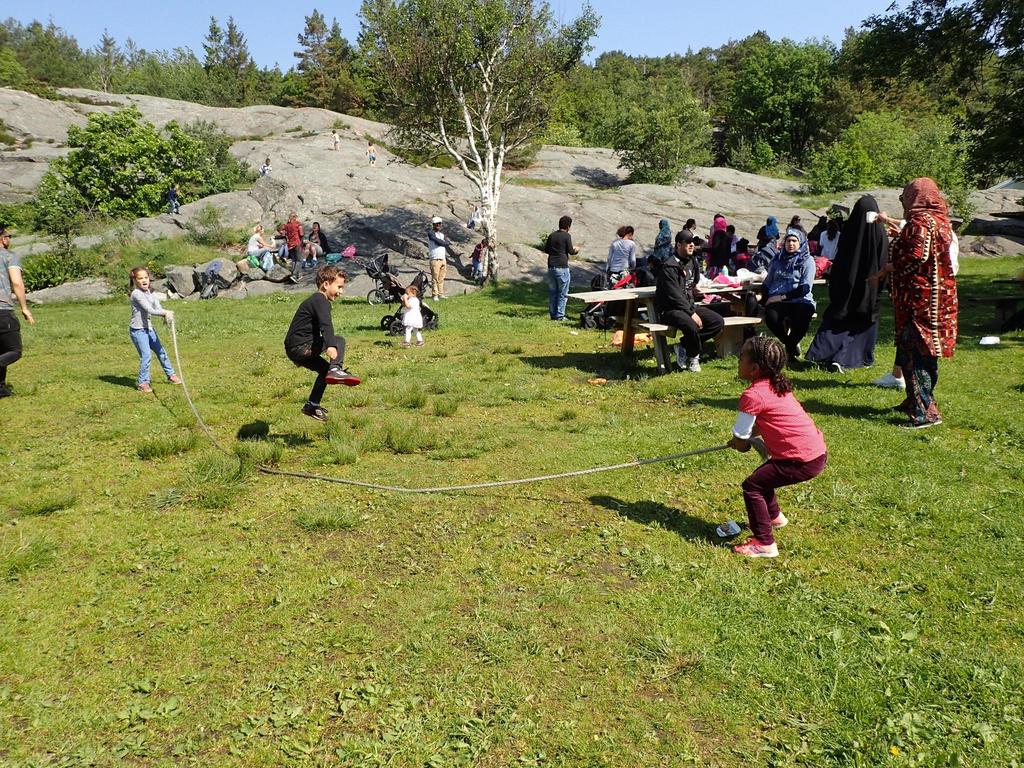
{"points": [[309, 356]]}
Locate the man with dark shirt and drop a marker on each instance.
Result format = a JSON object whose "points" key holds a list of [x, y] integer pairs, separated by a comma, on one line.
{"points": [[674, 302], [312, 333], [559, 247]]}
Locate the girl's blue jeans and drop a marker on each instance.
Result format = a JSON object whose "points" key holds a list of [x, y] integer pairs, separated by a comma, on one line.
{"points": [[144, 341]]}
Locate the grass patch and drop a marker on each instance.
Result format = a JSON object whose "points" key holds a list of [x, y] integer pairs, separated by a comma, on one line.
{"points": [[258, 453], [326, 518], [191, 610], [47, 504], [25, 557], [445, 406], [162, 446]]}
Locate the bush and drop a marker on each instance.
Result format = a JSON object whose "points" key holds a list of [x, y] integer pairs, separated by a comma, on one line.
{"points": [[752, 157], [17, 215], [891, 148], [661, 135], [207, 228], [45, 270]]}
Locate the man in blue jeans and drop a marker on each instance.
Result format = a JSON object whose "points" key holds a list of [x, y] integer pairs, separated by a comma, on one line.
{"points": [[559, 247]]}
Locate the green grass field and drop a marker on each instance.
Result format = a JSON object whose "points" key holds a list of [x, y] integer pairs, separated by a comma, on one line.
{"points": [[163, 604]]}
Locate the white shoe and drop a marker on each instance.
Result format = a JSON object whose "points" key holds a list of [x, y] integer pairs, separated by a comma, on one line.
{"points": [[890, 382], [694, 365]]}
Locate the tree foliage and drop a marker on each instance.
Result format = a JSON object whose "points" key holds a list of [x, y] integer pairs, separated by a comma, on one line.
{"points": [[470, 78], [326, 71], [891, 148], [661, 134], [121, 166], [973, 52], [777, 94]]}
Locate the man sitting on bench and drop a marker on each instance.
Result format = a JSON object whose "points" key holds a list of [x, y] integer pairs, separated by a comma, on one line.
{"points": [[675, 305]]}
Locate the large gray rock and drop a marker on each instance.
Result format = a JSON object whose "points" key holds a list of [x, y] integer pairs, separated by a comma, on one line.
{"points": [[223, 268], [278, 274], [252, 274], [29, 116], [263, 288], [182, 280], [235, 208], [90, 289]]}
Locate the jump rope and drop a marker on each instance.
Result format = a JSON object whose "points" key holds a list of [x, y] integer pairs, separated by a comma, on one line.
{"points": [[439, 489]]}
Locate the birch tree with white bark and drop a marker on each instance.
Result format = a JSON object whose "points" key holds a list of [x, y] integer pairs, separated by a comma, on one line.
{"points": [[470, 79]]}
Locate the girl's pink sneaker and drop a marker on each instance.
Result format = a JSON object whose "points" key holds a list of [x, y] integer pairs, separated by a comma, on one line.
{"points": [[173, 379], [144, 387], [754, 548]]}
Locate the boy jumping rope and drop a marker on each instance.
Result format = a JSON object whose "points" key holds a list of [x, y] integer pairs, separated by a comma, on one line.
{"points": [[312, 333]]}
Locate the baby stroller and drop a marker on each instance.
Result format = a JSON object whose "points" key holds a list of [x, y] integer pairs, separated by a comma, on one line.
{"points": [[378, 268], [395, 290], [601, 314]]}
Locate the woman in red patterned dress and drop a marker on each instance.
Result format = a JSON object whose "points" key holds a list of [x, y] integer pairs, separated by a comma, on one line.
{"points": [[923, 290]]}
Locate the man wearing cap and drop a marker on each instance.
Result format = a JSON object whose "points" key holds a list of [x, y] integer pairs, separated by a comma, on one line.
{"points": [[10, 329], [675, 301], [438, 245]]}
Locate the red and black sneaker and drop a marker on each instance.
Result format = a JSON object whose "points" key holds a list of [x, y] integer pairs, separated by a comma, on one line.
{"points": [[338, 375], [314, 412]]}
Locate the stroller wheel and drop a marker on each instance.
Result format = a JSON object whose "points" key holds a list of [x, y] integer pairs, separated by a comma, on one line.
{"points": [[396, 328], [377, 296], [431, 324], [588, 321], [386, 321]]}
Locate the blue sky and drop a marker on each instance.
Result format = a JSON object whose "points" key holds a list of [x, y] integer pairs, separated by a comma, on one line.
{"points": [[651, 27]]}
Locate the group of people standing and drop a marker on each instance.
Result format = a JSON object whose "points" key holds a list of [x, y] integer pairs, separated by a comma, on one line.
{"points": [[915, 258]]}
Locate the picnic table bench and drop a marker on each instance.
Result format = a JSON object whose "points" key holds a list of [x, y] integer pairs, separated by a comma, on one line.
{"points": [[729, 341]]}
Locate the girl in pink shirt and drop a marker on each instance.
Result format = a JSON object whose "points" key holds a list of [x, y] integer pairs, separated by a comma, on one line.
{"points": [[795, 446]]}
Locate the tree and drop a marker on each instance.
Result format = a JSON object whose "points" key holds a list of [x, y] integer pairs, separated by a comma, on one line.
{"points": [[325, 59], [470, 78], [108, 59], [777, 94], [973, 52], [232, 72], [121, 166], [662, 134]]}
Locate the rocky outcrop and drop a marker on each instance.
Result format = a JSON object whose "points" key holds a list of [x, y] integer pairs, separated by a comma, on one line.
{"points": [[90, 289], [386, 209]]}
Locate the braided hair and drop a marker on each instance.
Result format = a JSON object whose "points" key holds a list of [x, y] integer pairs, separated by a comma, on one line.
{"points": [[770, 356]]}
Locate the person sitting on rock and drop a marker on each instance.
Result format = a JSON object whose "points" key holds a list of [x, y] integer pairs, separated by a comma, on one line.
{"points": [[316, 245], [258, 252]]}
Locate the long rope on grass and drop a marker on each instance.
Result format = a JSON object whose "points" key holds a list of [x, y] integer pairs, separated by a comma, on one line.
{"points": [[401, 489]]}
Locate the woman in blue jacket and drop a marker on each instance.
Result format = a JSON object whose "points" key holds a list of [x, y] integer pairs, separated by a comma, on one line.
{"points": [[788, 299]]}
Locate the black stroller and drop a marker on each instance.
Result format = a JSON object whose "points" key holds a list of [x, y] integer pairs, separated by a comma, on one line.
{"points": [[395, 290], [377, 268]]}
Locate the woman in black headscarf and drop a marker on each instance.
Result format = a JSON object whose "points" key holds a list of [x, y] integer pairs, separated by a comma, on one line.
{"points": [[849, 328]]}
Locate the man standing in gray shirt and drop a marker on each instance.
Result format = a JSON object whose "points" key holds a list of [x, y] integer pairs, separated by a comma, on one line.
{"points": [[10, 329]]}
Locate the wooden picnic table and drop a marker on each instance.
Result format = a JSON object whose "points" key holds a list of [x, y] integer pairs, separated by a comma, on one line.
{"points": [[731, 334]]}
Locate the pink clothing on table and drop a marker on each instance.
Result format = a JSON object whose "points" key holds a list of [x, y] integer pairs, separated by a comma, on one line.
{"points": [[789, 433]]}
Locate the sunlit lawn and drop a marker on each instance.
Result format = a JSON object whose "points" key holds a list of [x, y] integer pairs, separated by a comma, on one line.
{"points": [[164, 604]]}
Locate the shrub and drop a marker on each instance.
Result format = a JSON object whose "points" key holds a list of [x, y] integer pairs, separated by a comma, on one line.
{"points": [[752, 157], [56, 267], [891, 148], [662, 134], [207, 227], [17, 214]]}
